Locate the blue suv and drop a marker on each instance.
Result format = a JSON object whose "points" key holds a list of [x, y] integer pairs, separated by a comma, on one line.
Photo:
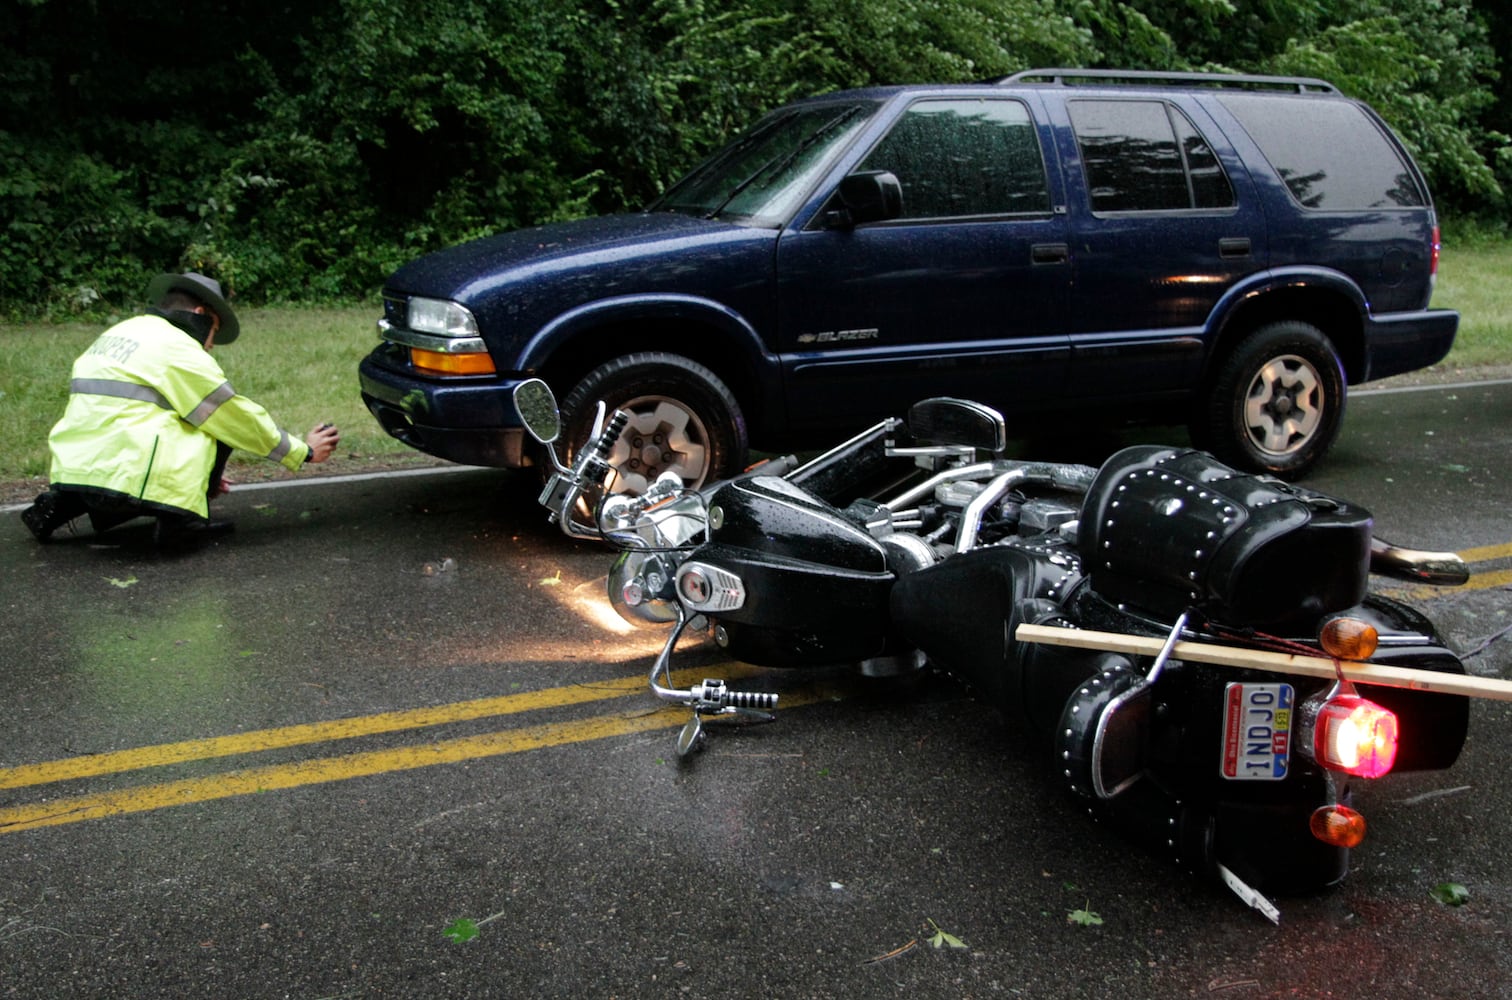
{"points": [[1226, 252]]}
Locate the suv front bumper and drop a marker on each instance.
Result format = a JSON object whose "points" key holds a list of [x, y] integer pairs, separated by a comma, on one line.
{"points": [[471, 421]]}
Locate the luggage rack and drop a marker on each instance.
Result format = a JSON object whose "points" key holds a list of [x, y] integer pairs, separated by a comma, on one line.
{"points": [[1071, 77]]}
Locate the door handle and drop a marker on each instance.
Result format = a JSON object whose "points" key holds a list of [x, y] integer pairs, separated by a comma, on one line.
{"points": [[1050, 253], [1234, 246]]}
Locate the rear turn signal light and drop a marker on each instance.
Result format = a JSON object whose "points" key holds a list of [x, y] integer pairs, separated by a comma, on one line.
{"points": [[1348, 639], [1338, 826], [474, 363], [1355, 735]]}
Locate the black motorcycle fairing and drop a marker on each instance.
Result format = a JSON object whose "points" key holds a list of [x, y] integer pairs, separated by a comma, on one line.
{"points": [[782, 521], [815, 584], [798, 612]]}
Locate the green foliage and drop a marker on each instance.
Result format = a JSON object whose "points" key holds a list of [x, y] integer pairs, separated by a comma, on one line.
{"points": [[300, 152], [1421, 64], [925, 41]]}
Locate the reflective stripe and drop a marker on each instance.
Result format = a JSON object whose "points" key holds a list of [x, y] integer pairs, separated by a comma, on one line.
{"points": [[210, 404], [119, 389], [284, 444]]}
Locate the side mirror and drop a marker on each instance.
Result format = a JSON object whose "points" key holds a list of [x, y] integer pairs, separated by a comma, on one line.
{"points": [[868, 196], [538, 410], [943, 420]]}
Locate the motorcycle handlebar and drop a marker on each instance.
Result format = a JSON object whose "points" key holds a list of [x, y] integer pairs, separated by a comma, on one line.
{"points": [[612, 430], [568, 487], [760, 701]]}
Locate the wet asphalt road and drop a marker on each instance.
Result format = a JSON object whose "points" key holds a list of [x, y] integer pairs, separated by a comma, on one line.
{"points": [[289, 764]]}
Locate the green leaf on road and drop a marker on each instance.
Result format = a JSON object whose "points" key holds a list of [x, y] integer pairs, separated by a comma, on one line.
{"points": [[465, 928], [1084, 917], [942, 939], [1451, 894], [123, 584], [461, 929]]}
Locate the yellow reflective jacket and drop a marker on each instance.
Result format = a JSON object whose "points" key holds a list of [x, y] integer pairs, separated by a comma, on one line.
{"points": [[147, 405]]}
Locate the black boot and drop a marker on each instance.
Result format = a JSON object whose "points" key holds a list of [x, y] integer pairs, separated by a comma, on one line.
{"points": [[179, 533], [49, 512]]}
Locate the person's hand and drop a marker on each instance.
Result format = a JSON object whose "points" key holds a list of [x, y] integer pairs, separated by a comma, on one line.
{"points": [[322, 441], [221, 487]]}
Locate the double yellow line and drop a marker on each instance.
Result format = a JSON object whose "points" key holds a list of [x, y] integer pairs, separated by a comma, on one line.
{"points": [[249, 781]]}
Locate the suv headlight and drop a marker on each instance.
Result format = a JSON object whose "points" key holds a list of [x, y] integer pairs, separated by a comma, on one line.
{"points": [[442, 318]]}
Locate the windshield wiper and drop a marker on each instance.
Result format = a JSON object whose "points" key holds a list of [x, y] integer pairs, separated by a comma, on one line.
{"points": [[665, 201], [777, 164]]}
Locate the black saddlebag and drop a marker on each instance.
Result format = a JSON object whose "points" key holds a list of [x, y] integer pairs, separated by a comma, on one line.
{"points": [[1164, 530]]}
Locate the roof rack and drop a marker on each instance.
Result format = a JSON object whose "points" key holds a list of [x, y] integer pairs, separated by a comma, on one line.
{"points": [[1069, 78]]}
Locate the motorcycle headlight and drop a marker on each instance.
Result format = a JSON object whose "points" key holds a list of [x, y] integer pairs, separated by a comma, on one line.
{"points": [[640, 589]]}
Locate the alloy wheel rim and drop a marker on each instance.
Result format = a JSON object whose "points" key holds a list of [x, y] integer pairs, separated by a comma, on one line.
{"points": [[663, 435], [1283, 408]]}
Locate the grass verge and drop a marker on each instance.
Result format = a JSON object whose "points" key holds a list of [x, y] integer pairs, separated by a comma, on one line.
{"points": [[299, 363]]}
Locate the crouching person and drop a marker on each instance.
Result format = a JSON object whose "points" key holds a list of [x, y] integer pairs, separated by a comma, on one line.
{"points": [[151, 420]]}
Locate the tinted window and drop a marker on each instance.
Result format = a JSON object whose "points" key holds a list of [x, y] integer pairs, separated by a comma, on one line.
{"points": [[964, 157], [1146, 156], [1329, 152]]}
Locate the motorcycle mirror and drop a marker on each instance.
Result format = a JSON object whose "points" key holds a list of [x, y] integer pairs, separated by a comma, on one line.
{"points": [[943, 420], [538, 410], [691, 738]]}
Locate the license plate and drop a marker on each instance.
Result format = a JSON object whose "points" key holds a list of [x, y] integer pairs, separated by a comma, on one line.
{"points": [[1257, 731]]}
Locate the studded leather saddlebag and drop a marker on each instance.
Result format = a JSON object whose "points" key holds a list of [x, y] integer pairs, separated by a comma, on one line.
{"points": [[1164, 530]]}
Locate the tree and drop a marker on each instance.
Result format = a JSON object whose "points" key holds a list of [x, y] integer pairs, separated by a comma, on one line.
{"points": [[302, 151]]}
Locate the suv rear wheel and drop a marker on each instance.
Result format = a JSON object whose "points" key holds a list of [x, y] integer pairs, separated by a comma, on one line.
{"points": [[1275, 403], [683, 419]]}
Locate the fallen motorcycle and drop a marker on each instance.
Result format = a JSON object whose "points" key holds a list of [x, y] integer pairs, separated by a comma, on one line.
{"points": [[1194, 648]]}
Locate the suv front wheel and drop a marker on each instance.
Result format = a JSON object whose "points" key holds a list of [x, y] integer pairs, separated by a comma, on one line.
{"points": [[1275, 403], [683, 419]]}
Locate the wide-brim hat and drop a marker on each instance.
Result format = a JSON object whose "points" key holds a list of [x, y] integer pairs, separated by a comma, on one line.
{"points": [[207, 290]]}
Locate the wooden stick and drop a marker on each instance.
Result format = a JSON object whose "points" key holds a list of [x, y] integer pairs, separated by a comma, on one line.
{"points": [[1281, 663]]}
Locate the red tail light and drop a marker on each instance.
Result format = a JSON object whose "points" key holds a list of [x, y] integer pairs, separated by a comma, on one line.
{"points": [[1355, 735], [1434, 258]]}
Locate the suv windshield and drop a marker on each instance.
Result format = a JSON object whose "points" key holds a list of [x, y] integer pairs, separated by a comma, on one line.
{"points": [[760, 178]]}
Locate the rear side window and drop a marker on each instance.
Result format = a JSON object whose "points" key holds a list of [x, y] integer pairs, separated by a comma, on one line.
{"points": [[964, 157], [1146, 156], [1329, 152]]}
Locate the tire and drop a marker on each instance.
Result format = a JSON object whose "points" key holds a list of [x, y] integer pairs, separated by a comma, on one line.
{"points": [[682, 419], [1276, 402]]}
